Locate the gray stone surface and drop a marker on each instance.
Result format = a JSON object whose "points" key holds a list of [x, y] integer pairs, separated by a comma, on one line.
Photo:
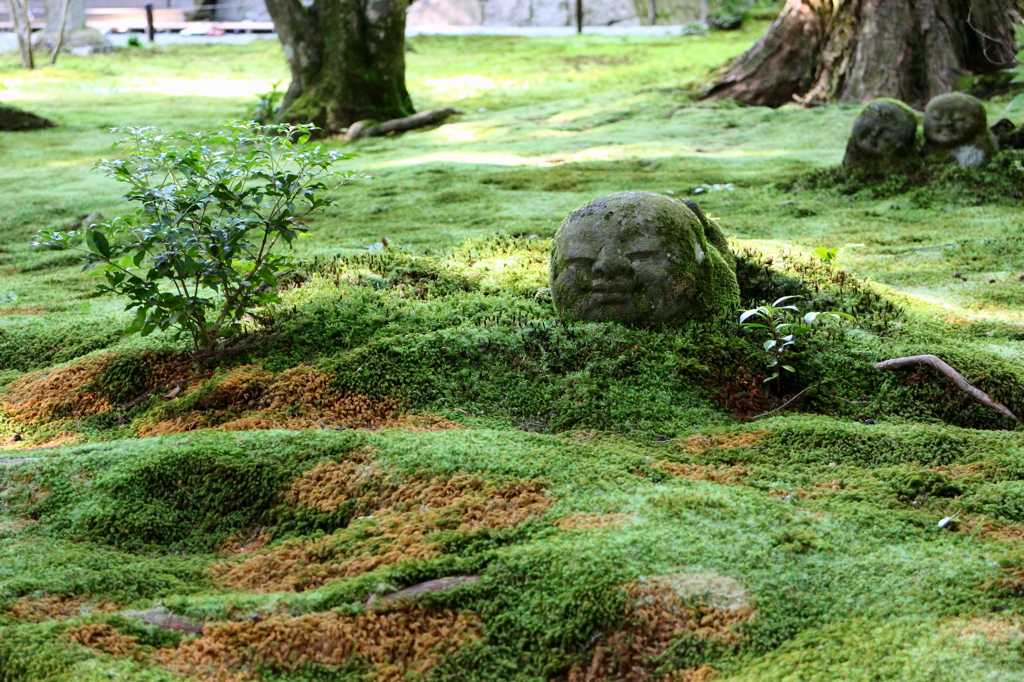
{"points": [[883, 139], [419, 590], [956, 131], [165, 620], [82, 41], [641, 259]]}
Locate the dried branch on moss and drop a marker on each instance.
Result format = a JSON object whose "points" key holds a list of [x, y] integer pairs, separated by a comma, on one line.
{"points": [[362, 129], [942, 368]]}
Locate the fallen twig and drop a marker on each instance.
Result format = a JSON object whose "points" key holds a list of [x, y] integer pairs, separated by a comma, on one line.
{"points": [[783, 405], [942, 368], [362, 129]]}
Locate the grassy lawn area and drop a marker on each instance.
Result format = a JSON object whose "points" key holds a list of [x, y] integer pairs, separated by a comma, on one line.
{"points": [[415, 412]]}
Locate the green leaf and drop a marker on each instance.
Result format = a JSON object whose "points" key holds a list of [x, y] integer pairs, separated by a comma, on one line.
{"points": [[747, 314], [96, 241]]}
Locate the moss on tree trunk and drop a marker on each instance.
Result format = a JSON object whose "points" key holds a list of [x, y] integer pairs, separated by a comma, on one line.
{"points": [[858, 50], [347, 59]]}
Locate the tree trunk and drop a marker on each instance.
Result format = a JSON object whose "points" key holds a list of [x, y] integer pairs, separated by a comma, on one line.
{"points": [[23, 29], [347, 59], [857, 50], [64, 15]]}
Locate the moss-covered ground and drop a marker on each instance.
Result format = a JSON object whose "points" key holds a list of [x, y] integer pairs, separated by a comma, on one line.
{"points": [[608, 497]]}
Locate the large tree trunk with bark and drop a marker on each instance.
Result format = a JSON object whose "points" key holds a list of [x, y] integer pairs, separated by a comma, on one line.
{"points": [[347, 59], [857, 50]]}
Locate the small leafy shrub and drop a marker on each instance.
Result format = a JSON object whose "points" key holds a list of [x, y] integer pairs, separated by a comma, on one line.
{"points": [[198, 253], [134, 41], [819, 281], [828, 255], [267, 103], [777, 321]]}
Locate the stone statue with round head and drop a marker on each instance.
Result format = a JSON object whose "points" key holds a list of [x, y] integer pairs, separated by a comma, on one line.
{"points": [[956, 131], [641, 259], [883, 139]]}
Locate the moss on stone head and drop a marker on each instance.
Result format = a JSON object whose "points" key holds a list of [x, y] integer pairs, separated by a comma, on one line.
{"points": [[883, 139], [641, 258], [956, 131]]}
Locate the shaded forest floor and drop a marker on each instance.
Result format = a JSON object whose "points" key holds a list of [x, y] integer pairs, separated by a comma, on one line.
{"points": [[414, 412]]}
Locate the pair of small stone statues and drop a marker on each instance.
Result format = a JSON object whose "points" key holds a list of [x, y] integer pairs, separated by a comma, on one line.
{"points": [[884, 137]]}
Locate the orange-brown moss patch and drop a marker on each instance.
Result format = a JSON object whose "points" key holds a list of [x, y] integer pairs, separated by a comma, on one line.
{"points": [[394, 644], [28, 310], [56, 607], [330, 484], [585, 521], [58, 393], [400, 522], [424, 421], [698, 444], [248, 398], [1011, 582], [104, 639], [57, 440], [657, 613], [992, 629], [986, 470], [698, 472], [987, 529], [15, 525], [241, 544], [188, 422]]}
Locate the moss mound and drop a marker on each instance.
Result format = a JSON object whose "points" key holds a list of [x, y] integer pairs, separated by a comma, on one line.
{"points": [[598, 558], [1001, 181], [393, 340], [13, 119]]}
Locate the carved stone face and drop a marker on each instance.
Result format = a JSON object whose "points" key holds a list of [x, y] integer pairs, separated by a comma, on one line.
{"points": [[954, 119], [884, 128], [635, 258], [616, 272]]}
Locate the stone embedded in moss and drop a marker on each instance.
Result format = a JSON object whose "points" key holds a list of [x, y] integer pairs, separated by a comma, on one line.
{"points": [[883, 139], [81, 41], [956, 131], [641, 258], [13, 119]]}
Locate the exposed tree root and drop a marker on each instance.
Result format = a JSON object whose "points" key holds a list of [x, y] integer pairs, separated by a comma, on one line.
{"points": [[942, 368], [362, 129]]}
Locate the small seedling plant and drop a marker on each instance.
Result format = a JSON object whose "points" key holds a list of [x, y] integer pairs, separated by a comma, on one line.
{"points": [[782, 325], [198, 253]]}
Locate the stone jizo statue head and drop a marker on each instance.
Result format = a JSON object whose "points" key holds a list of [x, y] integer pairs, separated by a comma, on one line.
{"points": [[641, 258], [884, 137], [956, 129]]}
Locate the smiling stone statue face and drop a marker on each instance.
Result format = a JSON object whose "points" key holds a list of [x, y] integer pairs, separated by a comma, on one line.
{"points": [[884, 138], [641, 258], [956, 129]]}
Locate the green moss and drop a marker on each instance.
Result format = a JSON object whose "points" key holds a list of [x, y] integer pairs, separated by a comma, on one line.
{"points": [[828, 523]]}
